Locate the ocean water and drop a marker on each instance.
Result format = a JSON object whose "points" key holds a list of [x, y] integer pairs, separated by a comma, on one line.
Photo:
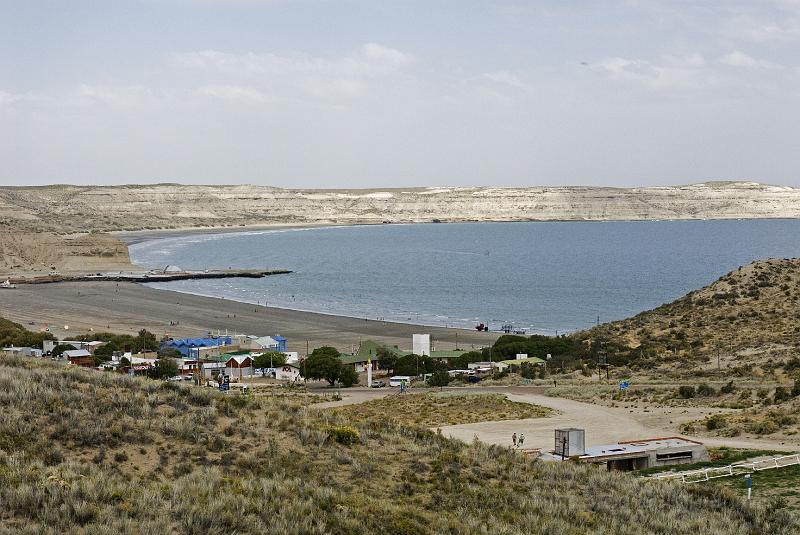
{"points": [[545, 277]]}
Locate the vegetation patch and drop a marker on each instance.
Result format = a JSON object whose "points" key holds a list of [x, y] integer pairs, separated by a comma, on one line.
{"points": [[435, 409], [95, 452]]}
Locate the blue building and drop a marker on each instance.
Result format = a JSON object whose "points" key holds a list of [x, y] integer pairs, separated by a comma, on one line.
{"points": [[185, 345]]}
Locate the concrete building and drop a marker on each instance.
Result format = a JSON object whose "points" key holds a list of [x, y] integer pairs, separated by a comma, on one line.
{"points": [[421, 344], [629, 455]]}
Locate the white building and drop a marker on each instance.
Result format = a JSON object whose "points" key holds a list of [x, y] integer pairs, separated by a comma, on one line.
{"points": [[421, 344], [288, 372]]}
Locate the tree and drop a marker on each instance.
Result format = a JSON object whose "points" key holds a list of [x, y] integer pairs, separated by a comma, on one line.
{"points": [[323, 363], [440, 378], [269, 360], [124, 361], [169, 353], [387, 359], [145, 341], [347, 375], [164, 368]]}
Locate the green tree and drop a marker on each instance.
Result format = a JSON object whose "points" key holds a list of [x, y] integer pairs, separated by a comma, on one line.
{"points": [[322, 363], [417, 364], [164, 368], [387, 359], [269, 360], [145, 341], [347, 375], [440, 378], [169, 353]]}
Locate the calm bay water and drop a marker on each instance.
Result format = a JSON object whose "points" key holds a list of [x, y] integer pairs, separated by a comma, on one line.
{"points": [[541, 277]]}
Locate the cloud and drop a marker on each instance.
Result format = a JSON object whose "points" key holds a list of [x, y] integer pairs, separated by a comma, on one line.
{"points": [[258, 77], [370, 60], [673, 73], [235, 93], [740, 59], [507, 78]]}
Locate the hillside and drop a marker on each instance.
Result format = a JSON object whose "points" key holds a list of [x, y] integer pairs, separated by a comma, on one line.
{"points": [[90, 452], [112, 208], [750, 315]]}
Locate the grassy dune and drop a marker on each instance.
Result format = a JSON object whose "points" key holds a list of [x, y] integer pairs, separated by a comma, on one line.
{"points": [[446, 408], [744, 318], [97, 453]]}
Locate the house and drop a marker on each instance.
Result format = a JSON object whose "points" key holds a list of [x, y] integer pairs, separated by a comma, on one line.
{"points": [[91, 347], [359, 362], [629, 455], [79, 357], [24, 351], [269, 343], [239, 366], [487, 366], [288, 372], [201, 347]]}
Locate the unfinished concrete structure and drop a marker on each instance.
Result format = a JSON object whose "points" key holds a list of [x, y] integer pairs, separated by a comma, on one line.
{"points": [[630, 455]]}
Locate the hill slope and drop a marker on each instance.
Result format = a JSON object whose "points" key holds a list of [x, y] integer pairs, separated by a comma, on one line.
{"points": [[92, 452], [85, 208], [749, 312]]}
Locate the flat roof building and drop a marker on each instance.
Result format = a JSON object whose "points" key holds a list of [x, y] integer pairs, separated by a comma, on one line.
{"points": [[629, 455]]}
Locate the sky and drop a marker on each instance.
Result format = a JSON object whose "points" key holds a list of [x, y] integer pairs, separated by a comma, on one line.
{"points": [[357, 93]]}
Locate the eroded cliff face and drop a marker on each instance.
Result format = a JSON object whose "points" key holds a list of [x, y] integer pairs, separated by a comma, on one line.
{"points": [[85, 208]]}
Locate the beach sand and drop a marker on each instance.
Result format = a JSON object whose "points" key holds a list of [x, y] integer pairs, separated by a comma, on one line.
{"points": [[127, 307]]}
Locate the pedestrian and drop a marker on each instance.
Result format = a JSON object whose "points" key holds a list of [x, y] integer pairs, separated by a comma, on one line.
{"points": [[514, 439], [521, 439], [554, 383]]}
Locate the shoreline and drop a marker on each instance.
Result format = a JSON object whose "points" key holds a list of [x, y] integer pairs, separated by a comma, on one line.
{"points": [[125, 308]]}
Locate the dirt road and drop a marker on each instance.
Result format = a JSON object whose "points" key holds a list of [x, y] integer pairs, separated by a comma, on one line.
{"points": [[603, 425]]}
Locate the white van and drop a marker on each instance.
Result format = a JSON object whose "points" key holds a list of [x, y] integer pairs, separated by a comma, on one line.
{"points": [[397, 380]]}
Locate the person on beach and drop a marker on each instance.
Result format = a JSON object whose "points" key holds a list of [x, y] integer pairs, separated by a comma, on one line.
{"points": [[514, 439], [521, 439]]}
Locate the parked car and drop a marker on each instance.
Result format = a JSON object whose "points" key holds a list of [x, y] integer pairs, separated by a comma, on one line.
{"points": [[176, 378], [377, 383], [187, 378]]}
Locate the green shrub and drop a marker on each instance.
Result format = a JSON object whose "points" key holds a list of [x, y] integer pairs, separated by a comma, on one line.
{"points": [[706, 390], [716, 421], [344, 434], [686, 391]]}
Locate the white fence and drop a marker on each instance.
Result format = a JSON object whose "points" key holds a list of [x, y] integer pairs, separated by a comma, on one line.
{"points": [[741, 468]]}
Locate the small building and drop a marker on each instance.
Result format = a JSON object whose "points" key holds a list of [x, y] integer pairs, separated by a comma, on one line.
{"points": [[239, 366], [269, 343], [629, 455], [359, 362], [288, 372], [483, 366], [23, 351], [79, 357]]}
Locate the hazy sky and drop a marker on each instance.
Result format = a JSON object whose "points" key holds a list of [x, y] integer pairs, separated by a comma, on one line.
{"points": [[399, 93]]}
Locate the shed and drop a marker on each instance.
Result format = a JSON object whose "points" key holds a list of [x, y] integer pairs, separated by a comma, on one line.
{"points": [[79, 357]]}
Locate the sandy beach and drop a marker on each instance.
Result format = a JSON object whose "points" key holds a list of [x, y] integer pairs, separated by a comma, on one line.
{"points": [[127, 307]]}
